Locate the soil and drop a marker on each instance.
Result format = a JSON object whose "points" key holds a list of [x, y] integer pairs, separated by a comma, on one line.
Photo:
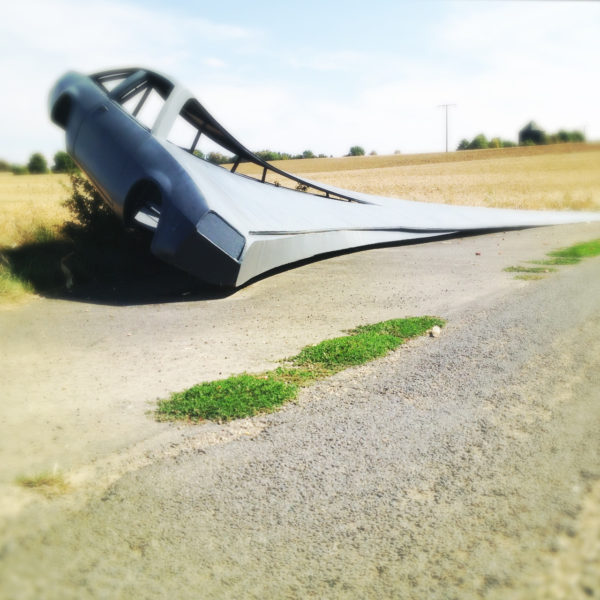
{"points": [[461, 466]]}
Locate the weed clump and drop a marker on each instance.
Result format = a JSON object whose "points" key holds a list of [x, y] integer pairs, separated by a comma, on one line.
{"points": [[246, 395], [578, 251], [48, 484], [226, 399]]}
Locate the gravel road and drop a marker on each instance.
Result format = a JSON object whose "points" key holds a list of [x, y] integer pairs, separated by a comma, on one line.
{"points": [[464, 466]]}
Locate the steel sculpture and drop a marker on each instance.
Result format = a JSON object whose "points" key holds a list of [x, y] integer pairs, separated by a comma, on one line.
{"points": [[134, 132]]}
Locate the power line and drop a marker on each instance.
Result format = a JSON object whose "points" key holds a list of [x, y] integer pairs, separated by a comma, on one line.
{"points": [[446, 107]]}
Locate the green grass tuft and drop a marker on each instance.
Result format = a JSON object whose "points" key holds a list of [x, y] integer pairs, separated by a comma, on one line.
{"points": [[299, 377], [233, 398], [578, 251], [12, 288], [564, 256], [401, 328], [557, 260], [529, 270], [529, 276], [246, 395], [338, 353]]}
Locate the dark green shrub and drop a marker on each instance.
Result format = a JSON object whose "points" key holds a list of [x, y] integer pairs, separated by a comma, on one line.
{"points": [[356, 151], [63, 163], [37, 164], [479, 142], [532, 135]]}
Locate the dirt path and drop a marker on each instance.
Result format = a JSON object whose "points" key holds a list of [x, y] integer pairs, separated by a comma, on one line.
{"points": [[355, 491]]}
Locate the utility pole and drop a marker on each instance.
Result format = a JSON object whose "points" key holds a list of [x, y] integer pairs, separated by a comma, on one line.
{"points": [[446, 107]]}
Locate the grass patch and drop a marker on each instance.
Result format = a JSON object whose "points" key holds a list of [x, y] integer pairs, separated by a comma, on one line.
{"points": [[578, 251], [48, 484], [557, 260], [246, 395], [401, 328], [529, 276], [564, 256], [520, 269], [233, 398], [347, 351]]}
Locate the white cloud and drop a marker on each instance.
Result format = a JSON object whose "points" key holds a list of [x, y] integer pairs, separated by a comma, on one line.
{"points": [[214, 63], [41, 40], [500, 63]]}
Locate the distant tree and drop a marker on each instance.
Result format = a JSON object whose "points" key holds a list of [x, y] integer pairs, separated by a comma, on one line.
{"points": [[508, 144], [574, 136], [532, 135], [356, 151], [495, 142], [19, 169], [268, 155], [4, 166], [400, 151], [199, 154], [464, 144], [308, 154], [479, 142], [322, 156], [37, 164], [63, 163], [373, 153], [216, 158]]}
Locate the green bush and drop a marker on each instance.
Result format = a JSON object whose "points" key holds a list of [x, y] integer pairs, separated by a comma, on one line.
{"points": [[37, 164], [63, 163], [19, 170], [479, 142], [532, 135], [90, 215], [356, 151], [216, 158]]}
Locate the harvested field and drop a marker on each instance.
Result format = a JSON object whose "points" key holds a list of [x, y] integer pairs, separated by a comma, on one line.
{"points": [[29, 201], [560, 177]]}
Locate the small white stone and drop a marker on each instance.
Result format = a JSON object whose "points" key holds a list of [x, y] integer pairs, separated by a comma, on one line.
{"points": [[435, 331]]}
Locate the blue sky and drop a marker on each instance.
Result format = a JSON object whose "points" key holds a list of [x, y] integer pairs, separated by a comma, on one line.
{"points": [[318, 75]]}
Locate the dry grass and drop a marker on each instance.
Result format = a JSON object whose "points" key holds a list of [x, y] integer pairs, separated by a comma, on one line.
{"points": [[563, 176], [28, 202], [559, 177], [46, 483]]}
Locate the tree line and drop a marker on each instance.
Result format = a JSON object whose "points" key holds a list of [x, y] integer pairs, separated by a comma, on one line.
{"points": [[530, 135], [37, 164], [63, 163]]}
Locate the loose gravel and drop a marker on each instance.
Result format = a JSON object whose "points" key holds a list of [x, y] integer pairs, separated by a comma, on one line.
{"points": [[457, 467]]}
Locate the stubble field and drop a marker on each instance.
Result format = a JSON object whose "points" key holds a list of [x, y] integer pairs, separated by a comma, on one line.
{"points": [[560, 177]]}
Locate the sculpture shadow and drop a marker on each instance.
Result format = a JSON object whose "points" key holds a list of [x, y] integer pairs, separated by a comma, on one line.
{"points": [[120, 272], [123, 272]]}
